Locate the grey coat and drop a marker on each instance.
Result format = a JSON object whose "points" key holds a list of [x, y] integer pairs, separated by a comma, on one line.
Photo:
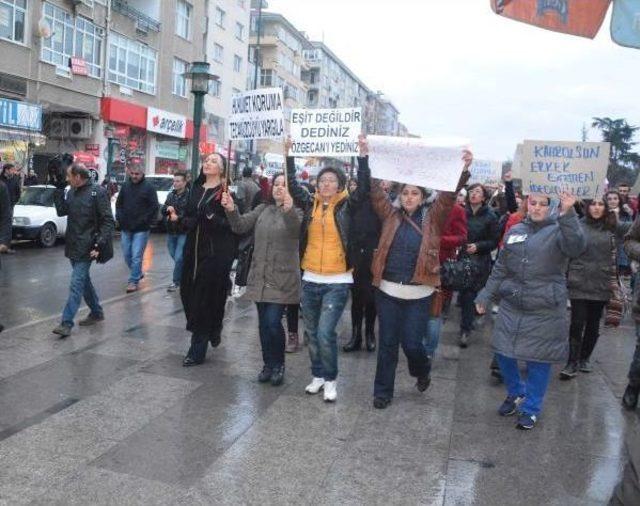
{"points": [[590, 274], [528, 281], [274, 275]]}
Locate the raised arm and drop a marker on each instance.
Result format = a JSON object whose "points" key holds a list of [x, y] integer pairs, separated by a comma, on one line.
{"points": [[571, 239], [363, 189], [510, 193], [240, 223], [301, 197]]}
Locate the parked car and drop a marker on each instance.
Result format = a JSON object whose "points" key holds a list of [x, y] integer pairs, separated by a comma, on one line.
{"points": [[35, 217], [163, 184]]}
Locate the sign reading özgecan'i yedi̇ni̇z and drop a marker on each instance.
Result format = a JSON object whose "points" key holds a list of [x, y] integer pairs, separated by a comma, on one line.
{"points": [[553, 167], [325, 132], [257, 114]]}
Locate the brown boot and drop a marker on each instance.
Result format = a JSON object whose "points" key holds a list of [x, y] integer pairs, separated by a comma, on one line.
{"points": [[292, 343]]}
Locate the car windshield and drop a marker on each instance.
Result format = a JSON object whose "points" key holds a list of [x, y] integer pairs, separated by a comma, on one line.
{"points": [[37, 196], [161, 184]]}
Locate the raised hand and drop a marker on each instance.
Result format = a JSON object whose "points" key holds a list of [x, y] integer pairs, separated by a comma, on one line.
{"points": [[363, 145], [288, 142], [227, 202], [566, 202], [467, 158], [508, 176], [287, 202]]}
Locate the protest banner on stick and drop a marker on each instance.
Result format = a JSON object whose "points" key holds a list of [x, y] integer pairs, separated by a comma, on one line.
{"points": [[257, 114], [485, 172], [553, 167], [414, 161], [325, 132]]}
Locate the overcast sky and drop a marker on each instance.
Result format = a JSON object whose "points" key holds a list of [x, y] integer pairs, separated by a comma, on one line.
{"points": [[454, 68]]}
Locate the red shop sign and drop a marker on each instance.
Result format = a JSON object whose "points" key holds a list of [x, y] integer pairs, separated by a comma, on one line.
{"points": [[78, 66]]}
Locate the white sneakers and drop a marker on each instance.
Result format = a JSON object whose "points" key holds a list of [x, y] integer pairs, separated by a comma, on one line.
{"points": [[315, 386], [329, 387]]}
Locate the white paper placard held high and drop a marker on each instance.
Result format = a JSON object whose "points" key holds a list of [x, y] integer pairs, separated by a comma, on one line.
{"points": [[415, 161], [257, 114], [325, 132]]}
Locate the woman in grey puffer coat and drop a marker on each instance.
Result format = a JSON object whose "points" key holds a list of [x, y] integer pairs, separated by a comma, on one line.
{"points": [[528, 281], [274, 276], [591, 283]]}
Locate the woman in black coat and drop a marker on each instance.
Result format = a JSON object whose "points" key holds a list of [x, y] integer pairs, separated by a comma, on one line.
{"points": [[483, 234], [208, 255]]}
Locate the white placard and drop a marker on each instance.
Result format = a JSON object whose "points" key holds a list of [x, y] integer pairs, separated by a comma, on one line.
{"points": [[485, 172], [257, 114], [553, 167], [166, 123], [325, 132], [414, 161]]}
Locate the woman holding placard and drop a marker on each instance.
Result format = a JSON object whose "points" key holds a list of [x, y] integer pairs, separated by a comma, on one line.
{"points": [[326, 264], [405, 271], [274, 276], [529, 282]]}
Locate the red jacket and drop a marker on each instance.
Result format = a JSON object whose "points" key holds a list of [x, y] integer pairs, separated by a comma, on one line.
{"points": [[454, 234]]}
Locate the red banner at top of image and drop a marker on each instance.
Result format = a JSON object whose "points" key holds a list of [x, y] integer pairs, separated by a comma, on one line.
{"points": [[576, 17]]}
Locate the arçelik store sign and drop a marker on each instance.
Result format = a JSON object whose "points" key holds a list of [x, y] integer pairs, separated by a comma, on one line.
{"points": [[166, 123]]}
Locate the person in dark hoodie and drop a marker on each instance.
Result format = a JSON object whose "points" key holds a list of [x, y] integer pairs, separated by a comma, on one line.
{"points": [[136, 211]]}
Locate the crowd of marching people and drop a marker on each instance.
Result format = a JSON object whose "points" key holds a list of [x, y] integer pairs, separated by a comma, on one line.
{"points": [[548, 270]]}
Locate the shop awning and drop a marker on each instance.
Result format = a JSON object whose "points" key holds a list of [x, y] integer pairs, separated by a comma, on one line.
{"points": [[10, 134]]}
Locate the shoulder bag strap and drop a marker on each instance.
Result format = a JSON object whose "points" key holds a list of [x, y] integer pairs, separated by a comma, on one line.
{"points": [[412, 223]]}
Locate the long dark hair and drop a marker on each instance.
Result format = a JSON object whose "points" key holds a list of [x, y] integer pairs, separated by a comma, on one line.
{"points": [[608, 219], [266, 188], [201, 177]]}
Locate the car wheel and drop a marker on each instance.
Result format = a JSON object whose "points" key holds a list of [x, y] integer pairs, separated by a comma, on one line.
{"points": [[48, 235]]}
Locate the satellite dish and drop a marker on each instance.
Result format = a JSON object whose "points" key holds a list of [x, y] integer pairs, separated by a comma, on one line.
{"points": [[44, 28]]}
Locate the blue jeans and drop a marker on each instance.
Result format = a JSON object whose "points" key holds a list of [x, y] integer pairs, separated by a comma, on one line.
{"points": [[175, 243], [271, 333], [535, 386], [322, 307], [401, 322], [80, 287], [133, 246], [434, 328]]}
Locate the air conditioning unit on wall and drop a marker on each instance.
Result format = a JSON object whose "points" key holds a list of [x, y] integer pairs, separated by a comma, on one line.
{"points": [[80, 128], [58, 128]]}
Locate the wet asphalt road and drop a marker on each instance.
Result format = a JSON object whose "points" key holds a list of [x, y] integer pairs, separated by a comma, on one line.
{"points": [[34, 282]]}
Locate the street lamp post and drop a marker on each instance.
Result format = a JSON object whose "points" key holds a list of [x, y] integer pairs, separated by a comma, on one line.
{"points": [[200, 77]]}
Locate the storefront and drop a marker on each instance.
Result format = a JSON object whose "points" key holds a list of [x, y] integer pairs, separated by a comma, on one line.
{"points": [[20, 127], [157, 140]]}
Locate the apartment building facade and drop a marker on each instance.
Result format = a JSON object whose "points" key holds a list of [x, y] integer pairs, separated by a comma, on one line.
{"points": [[99, 70]]}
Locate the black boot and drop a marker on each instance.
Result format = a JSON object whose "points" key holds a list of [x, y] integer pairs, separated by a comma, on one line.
{"points": [[630, 397], [215, 338], [356, 340], [370, 339]]}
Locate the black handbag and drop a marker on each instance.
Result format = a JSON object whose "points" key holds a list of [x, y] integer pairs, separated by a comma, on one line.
{"points": [[458, 274], [104, 248], [245, 254]]}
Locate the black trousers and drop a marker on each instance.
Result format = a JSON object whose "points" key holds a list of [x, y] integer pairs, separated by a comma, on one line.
{"points": [[585, 328]]}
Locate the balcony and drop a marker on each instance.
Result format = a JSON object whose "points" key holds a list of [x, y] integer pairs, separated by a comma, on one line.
{"points": [[144, 23]]}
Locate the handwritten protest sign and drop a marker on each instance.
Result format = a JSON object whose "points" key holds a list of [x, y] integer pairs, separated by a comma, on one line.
{"points": [[414, 161], [325, 132], [485, 172], [578, 168], [257, 114]]}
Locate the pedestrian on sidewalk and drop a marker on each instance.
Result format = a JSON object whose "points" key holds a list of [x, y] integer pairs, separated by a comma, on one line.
{"points": [[365, 234], [174, 210], [11, 178], [592, 281], [405, 273], [208, 256], [5, 222], [247, 189], [136, 212], [529, 283], [274, 276], [482, 238], [632, 249], [327, 276], [90, 229]]}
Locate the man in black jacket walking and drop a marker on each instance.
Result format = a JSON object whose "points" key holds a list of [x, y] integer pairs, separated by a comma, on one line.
{"points": [[89, 226], [136, 211], [10, 177]]}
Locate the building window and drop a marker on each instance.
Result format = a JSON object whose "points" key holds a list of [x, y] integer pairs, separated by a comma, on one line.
{"points": [[12, 19], [132, 64], [215, 87], [78, 38], [237, 63], [239, 31], [179, 81], [218, 53], [220, 17], [183, 19], [266, 77]]}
